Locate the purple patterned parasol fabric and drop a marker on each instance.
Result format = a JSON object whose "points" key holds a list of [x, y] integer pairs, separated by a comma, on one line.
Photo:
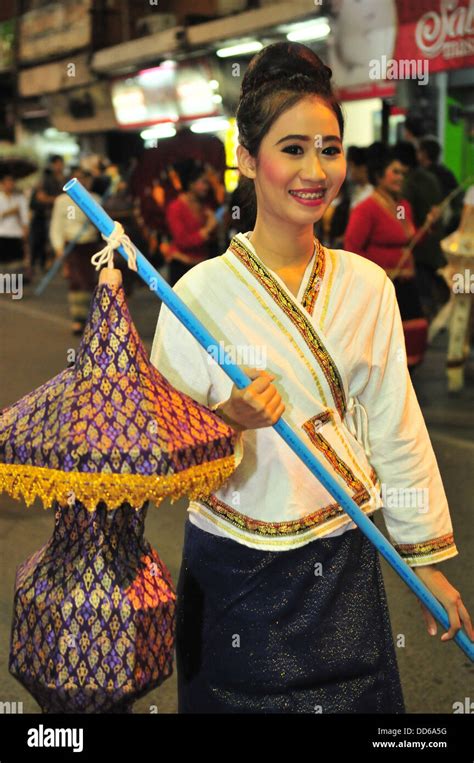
{"points": [[94, 608]]}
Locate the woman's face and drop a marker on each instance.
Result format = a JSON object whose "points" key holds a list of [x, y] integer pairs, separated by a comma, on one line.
{"points": [[200, 187], [312, 160], [393, 177]]}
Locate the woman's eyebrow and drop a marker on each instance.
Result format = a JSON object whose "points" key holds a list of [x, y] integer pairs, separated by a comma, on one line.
{"points": [[307, 137]]}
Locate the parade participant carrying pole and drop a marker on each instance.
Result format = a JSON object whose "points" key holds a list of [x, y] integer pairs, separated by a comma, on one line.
{"points": [[157, 284], [422, 230]]}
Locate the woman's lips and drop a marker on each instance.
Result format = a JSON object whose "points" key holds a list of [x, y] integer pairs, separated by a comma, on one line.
{"points": [[308, 202]]}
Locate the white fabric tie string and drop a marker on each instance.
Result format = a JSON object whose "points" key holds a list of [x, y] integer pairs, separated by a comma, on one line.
{"points": [[361, 427], [106, 255]]}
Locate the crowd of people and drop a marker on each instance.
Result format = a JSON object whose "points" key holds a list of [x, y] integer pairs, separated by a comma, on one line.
{"points": [[389, 209]]}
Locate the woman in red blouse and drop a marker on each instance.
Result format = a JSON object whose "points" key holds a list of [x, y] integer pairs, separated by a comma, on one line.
{"points": [[380, 228], [190, 221]]}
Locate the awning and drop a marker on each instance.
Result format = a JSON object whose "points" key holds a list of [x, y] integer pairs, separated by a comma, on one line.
{"points": [[168, 43]]}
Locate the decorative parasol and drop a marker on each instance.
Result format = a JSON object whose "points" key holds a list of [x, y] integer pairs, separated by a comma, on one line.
{"points": [[111, 428], [94, 610]]}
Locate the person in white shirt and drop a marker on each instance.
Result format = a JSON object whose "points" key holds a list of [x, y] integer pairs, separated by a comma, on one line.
{"points": [[13, 224], [281, 601], [69, 225]]}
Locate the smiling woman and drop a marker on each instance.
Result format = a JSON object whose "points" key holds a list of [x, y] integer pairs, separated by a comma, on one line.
{"points": [[281, 601], [292, 175]]}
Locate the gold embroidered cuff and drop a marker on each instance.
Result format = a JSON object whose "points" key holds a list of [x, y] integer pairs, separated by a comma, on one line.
{"points": [[430, 551]]}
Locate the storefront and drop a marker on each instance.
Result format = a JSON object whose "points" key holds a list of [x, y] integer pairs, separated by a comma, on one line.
{"points": [[422, 53]]}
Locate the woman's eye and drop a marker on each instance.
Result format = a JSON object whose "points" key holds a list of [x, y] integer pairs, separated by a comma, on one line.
{"points": [[334, 150], [287, 149]]}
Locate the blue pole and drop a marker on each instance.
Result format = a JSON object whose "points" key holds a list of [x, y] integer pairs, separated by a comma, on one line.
{"points": [[105, 224]]}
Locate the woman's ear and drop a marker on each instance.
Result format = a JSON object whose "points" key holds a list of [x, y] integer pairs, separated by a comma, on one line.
{"points": [[245, 161]]}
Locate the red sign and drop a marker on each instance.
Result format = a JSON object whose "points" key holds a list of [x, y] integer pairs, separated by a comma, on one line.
{"points": [[385, 41], [440, 31], [369, 90]]}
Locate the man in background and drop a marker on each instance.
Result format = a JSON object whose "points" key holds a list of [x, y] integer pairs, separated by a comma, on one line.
{"points": [[70, 228], [429, 151], [423, 191], [41, 205], [13, 225]]}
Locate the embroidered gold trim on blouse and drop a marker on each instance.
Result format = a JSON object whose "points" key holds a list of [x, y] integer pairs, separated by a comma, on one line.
{"points": [[293, 527], [279, 541], [297, 317], [360, 493], [426, 548], [311, 293], [328, 290], [283, 330]]}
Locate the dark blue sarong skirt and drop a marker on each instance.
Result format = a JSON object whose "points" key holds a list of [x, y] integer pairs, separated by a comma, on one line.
{"points": [[299, 631]]}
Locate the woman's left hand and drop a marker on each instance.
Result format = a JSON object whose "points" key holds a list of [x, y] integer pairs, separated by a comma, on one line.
{"points": [[449, 597]]}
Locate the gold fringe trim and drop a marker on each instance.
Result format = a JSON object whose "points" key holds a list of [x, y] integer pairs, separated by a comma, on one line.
{"points": [[29, 482]]}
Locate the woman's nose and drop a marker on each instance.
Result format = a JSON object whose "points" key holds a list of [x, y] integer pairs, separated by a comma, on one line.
{"points": [[314, 168]]}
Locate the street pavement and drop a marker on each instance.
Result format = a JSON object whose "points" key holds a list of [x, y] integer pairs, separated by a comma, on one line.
{"points": [[35, 344]]}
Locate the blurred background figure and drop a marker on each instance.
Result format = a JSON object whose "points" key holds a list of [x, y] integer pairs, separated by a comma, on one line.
{"points": [[423, 191], [413, 129], [41, 206], [459, 248], [69, 226], [14, 222], [358, 175], [429, 151], [331, 228], [380, 228], [356, 187], [120, 205], [241, 211], [191, 222]]}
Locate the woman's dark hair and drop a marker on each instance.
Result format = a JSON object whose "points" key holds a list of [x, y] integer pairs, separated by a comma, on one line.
{"points": [[379, 157], [406, 153], [357, 155], [432, 148], [415, 124], [279, 76], [189, 170]]}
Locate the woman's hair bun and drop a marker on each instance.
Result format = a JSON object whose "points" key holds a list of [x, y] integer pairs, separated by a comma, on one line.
{"points": [[328, 71], [284, 61]]}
